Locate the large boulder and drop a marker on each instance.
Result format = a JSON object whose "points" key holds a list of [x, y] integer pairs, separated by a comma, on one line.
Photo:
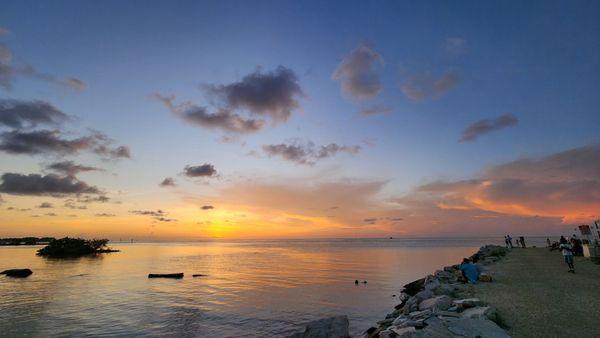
{"points": [[413, 287], [472, 328], [19, 273], [442, 302], [332, 327]]}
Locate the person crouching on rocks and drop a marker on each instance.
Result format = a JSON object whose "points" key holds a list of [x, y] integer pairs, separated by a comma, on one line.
{"points": [[567, 251], [469, 271]]}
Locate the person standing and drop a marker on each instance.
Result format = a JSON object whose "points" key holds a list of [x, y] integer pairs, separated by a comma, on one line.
{"points": [[567, 251], [509, 239], [522, 240]]}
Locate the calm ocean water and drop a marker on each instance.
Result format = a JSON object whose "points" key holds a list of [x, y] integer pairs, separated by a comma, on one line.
{"points": [[254, 288]]}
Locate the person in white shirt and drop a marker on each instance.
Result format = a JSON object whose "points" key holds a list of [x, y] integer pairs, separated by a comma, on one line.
{"points": [[567, 251]]}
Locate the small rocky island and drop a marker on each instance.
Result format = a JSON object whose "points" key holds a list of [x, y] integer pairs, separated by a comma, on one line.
{"points": [[74, 247]]}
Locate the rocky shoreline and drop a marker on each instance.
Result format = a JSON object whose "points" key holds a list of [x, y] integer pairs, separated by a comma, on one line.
{"points": [[434, 306]]}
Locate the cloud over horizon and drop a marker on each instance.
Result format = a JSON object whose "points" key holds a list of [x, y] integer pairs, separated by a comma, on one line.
{"points": [[564, 186], [485, 126], [357, 73]]}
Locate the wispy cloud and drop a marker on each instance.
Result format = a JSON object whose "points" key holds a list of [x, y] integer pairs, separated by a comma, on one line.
{"points": [[51, 142], [70, 168], [485, 126], [358, 73], [425, 85], [168, 182], [222, 119], [307, 153], [456, 46], [376, 110]]}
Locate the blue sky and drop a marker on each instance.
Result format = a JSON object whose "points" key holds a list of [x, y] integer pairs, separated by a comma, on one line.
{"points": [[539, 61]]}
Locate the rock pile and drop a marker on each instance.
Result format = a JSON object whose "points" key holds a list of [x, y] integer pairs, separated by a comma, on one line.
{"points": [[432, 306]]}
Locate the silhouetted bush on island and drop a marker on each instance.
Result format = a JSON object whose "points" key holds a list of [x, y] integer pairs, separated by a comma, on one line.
{"points": [[74, 247]]}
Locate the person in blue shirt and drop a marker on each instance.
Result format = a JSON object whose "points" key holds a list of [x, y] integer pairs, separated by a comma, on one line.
{"points": [[469, 271]]}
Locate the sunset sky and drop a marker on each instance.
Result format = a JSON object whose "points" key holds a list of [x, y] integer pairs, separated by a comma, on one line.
{"points": [[188, 120]]}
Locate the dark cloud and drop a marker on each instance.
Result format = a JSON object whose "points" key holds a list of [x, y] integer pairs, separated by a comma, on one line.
{"points": [[204, 170], [69, 168], [485, 126], [51, 184], [158, 215], [272, 94], [45, 205], [376, 110], [26, 114], [425, 86], [71, 205], [168, 182], [207, 207], [105, 215], [358, 73], [52, 142], [308, 153], [223, 119], [51, 214], [93, 199]]}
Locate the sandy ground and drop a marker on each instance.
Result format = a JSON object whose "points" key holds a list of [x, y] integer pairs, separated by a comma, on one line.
{"points": [[536, 297]]}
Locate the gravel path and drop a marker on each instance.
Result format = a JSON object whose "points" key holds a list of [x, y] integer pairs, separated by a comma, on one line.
{"points": [[536, 297]]}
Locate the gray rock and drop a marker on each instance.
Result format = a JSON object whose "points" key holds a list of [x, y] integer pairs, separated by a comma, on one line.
{"points": [[473, 328], [424, 295], [485, 312], [432, 284], [467, 302], [387, 334], [445, 289], [436, 303], [403, 331], [332, 327]]}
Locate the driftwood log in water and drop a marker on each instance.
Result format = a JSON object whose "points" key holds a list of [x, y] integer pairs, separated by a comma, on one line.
{"points": [[21, 273], [166, 275]]}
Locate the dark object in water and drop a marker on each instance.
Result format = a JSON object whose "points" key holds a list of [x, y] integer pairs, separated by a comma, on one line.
{"points": [[166, 275], [356, 282], [19, 273], [199, 275], [365, 282]]}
